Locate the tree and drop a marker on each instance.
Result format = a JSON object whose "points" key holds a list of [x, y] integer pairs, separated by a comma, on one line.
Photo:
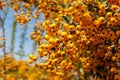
{"points": [[81, 37]]}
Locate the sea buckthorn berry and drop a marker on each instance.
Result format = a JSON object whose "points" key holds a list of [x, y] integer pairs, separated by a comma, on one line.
{"points": [[57, 19], [59, 32], [118, 33], [78, 27], [71, 27], [114, 8], [35, 58], [26, 5], [45, 53], [51, 40], [47, 37], [116, 15], [70, 37], [31, 56], [37, 65], [96, 23], [97, 4], [108, 15], [102, 7], [57, 41], [53, 26], [30, 61], [64, 34], [113, 70], [47, 22], [112, 35], [112, 20], [114, 58], [101, 12], [101, 20], [77, 33], [65, 26], [107, 55], [39, 49], [70, 9], [116, 76], [109, 24]]}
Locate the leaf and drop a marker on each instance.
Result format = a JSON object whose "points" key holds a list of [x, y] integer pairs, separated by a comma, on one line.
{"points": [[102, 1], [67, 19], [116, 28], [19, 53], [90, 8], [78, 64], [65, 5]]}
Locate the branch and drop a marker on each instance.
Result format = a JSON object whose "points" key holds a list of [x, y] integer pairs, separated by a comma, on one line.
{"points": [[4, 50]]}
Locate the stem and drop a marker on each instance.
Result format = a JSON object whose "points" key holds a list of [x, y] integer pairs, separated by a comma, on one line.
{"points": [[23, 40], [3, 33], [13, 36]]}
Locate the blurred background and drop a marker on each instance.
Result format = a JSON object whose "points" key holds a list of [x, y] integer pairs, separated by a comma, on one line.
{"points": [[17, 40]]}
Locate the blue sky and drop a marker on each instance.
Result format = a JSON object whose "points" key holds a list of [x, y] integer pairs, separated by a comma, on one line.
{"points": [[8, 27]]}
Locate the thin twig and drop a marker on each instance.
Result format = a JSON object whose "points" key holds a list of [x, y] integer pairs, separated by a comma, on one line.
{"points": [[3, 34]]}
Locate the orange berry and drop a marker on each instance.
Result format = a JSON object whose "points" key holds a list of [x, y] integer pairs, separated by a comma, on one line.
{"points": [[34, 58], [113, 70], [70, 8], [51, 40], [116, 15], [31, 56], [109, 24], [114, 58], [65, 26], [70, 37], [118, 33], [64, 34], [37, 65], [102, 6], [47, 37], [30, 61], [112, 20], [53, 26], [114, 7], [71, 27], [96, 23], [45, 53], [108, 15], [57, 40], [78, 27], [101, 12], [59, 32], [101, 20]]}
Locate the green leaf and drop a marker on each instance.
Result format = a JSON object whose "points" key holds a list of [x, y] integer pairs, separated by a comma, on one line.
{"points": [[67, 19], [65, 5], [116, 28], [19, 53], [78, 64], [102, 1], [90, 8]]}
